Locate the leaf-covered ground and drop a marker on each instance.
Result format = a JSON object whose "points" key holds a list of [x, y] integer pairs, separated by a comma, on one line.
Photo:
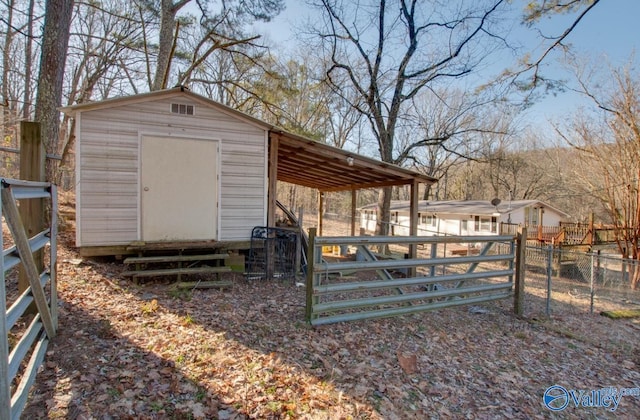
{"points": [[148, 352], [127, 351]]}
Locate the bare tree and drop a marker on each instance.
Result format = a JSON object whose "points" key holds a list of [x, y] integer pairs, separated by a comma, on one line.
{"points": [[388, 52], [222, 30], [518, 167], [55, 40], [28, 61], [610, 147], [445, 127], [527, 75], [6, 66], [101, 42], [16, 84]]}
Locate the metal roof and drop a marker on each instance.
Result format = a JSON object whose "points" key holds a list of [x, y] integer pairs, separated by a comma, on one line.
{"points": [[312, 164]]}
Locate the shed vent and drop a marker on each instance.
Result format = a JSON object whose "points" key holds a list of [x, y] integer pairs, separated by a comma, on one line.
{"points": [[182, 109]]}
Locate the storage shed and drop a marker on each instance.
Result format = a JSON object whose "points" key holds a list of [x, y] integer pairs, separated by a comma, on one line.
{"points": [[173, 166]]}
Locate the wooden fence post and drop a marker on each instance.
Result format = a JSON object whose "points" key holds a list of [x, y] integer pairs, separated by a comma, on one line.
{"points": [[518, 295], [32, 168]]}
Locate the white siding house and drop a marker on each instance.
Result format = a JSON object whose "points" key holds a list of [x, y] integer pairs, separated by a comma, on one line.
{"points": [[167, 166], [464, 217]]}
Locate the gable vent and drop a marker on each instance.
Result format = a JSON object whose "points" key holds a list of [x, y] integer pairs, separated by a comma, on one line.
{"points": [[182, 109]]}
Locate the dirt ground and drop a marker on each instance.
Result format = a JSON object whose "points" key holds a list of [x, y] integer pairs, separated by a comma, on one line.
{"points": [[149, 352]]}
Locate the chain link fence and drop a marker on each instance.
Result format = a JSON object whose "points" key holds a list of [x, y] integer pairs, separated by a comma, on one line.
{"points": [[559, 281]]}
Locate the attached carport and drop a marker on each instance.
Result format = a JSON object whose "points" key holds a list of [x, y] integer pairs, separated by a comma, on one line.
{"points": [[301, 161]]}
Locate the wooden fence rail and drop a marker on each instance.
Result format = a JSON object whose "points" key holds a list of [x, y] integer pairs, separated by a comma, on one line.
{"points": [[19, 361], [437, 279]]}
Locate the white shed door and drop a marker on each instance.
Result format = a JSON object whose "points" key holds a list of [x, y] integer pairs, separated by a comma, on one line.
{"points": [[179, 189]]}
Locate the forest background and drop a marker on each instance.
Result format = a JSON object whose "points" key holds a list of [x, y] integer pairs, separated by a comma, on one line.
{"points": [[449, 89]]}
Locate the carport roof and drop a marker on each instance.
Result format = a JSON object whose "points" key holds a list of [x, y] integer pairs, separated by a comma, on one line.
{"points": [[306, 162]]}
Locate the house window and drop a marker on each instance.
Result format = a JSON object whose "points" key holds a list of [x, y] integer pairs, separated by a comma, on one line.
{"points": [[486, 224], [428, 220], [464, 225], [395, 217]]}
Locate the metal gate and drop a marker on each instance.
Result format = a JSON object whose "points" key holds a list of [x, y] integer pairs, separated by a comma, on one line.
{"points": [[19, 361], [449, 271], [274, 253]]}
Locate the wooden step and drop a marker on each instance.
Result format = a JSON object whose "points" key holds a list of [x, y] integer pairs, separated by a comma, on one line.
{"points": [[203, 284], [174, 258], [176, 271]]}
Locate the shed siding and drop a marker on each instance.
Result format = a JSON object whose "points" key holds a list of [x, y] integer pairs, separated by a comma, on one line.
{"points": [[109, 167]]}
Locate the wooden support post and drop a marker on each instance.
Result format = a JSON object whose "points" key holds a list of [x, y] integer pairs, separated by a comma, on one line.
{"points": [[310, 264], [413, 225], [353, 212], [274, 144], [540, 224], [299, 241], [518, 295], [32, 168], [273, 180], [320, 211]]}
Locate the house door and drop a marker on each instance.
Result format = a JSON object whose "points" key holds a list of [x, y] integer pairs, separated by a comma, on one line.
{"points": [[179, 189]]}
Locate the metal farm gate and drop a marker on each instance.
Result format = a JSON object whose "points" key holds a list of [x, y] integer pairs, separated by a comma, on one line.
{"points": [[23, 336], [448, 271]]}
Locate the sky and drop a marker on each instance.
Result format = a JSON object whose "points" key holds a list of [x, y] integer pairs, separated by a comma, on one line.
{"points": [[608, 35]]}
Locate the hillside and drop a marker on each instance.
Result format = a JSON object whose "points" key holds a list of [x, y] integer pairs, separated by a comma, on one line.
{"points": [[146, 351]]}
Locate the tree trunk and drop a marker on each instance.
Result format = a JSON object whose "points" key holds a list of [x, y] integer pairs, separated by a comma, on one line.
{"points": [[385, 143], [55, 40], [384, 211], [635, 278], [383, 216], [7, 118], [28, 64], [165, 44]]}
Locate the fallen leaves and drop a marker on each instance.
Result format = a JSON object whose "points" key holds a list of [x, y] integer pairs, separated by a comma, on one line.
{"points": [[127, 351], [408, 363]]}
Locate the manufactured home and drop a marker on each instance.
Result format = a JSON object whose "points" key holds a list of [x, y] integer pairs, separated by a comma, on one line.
{"points": [[465, 217], [173, 167]]}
